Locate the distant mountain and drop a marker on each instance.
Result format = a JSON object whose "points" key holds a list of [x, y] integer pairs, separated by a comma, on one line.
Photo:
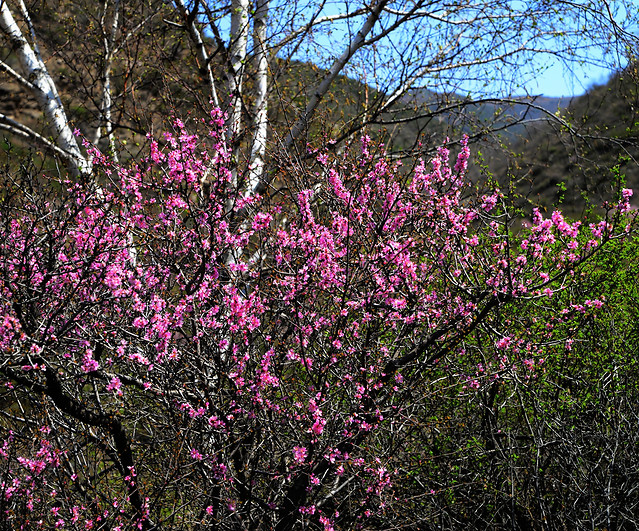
{"points": [[512, 112], [444, 115]]}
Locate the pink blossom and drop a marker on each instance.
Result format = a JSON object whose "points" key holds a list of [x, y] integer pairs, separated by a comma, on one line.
{"points": [[299, 454], [328, 524], [114, 385], [318, 426], [503, 343], [261, 221], [297, 312], [88, 363]]}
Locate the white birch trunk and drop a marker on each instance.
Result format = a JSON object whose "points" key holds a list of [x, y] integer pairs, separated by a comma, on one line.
{"points": [[234, 73], [260, 119], [237, 57], [196, 38], [44, 90], [107, 98]]}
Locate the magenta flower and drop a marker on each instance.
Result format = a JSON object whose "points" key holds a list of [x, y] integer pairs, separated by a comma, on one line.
{"points": [[88, 363], [114, 385], [299, 454]]}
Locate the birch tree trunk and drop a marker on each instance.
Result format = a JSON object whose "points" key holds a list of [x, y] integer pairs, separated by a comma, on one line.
{"points": [[260, 115], [198, 42], [43, 88], [108, 40], [237, 56]]}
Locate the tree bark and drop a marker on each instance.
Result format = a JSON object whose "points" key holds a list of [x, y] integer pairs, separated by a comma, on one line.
{"points": [[44, 90]]}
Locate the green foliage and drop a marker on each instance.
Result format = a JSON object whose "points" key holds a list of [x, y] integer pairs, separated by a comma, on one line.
{"points": [[553, 447]]}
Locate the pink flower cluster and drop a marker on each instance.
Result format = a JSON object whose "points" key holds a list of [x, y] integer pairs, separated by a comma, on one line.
{"points": [[273, 337]]}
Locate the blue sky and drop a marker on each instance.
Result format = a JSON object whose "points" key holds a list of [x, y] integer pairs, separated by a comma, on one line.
{"points": [[592, 62], [538, 76], [556, 81]]}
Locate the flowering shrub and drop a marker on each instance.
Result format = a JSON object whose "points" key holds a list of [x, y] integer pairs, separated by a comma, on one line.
{"points": [[188, 355]]}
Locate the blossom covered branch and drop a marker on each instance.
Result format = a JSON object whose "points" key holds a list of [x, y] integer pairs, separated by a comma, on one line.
{"points": [[159, 383]]}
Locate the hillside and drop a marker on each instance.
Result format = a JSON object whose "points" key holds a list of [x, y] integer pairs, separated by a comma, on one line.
{"points": [[584, 156]]}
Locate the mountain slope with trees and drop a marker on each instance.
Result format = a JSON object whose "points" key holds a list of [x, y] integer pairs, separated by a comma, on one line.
{"points": [[583, 156]]}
